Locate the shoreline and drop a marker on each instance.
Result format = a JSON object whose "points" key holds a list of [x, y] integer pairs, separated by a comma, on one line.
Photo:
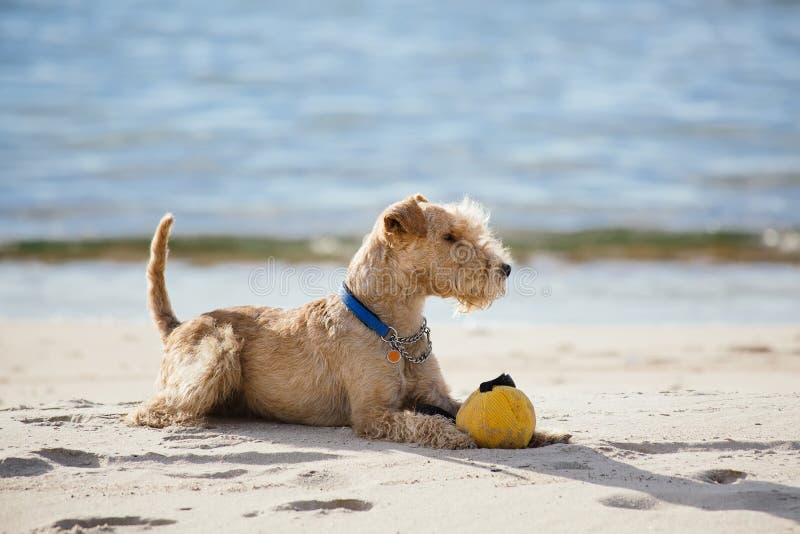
{"points": [[580, 246], [546, 291]]}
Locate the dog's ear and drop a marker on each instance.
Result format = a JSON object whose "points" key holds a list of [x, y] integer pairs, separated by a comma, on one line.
{"points": [[406, 218]]}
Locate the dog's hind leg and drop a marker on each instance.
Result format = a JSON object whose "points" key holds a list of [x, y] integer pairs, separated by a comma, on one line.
{"points": [[195, 378]]}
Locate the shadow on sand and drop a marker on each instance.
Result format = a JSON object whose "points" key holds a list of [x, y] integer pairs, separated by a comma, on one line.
{"points": [[713, 489]]}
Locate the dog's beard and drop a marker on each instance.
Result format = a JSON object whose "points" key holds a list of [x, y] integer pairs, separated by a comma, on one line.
{"points": [[478, 290]]}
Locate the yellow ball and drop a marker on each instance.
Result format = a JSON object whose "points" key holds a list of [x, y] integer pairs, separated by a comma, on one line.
{"points": [[501, 417]]}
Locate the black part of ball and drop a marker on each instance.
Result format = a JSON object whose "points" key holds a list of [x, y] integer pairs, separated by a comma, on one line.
{"points": [[502, 380], [428, 409]]}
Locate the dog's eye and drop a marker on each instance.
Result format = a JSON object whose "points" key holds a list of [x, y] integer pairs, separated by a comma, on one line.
{"points": [[450, 238]]}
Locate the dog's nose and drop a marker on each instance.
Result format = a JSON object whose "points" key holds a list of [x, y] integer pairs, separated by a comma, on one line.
{"points": [[506, 268]]}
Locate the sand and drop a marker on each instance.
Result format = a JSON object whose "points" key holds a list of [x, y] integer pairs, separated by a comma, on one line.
{"points": [[681, 428]]}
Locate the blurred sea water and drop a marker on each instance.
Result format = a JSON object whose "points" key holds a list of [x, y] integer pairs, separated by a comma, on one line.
{"points": [[300, 118], [544, 292]]}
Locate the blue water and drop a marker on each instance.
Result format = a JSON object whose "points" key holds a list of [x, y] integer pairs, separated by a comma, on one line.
{"points": [[304, 117]]}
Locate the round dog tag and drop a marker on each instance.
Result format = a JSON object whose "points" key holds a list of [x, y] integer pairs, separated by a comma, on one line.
{"points": [[393, 356]]}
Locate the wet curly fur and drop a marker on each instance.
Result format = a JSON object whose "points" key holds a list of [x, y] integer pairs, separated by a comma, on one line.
{"points": [[318, 364]]}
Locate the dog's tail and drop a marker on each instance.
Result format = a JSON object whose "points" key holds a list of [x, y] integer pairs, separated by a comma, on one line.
{"points": [[157, 298]]}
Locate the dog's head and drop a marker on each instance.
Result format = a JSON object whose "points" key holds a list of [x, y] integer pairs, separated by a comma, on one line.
{"points": [[448, 249]]}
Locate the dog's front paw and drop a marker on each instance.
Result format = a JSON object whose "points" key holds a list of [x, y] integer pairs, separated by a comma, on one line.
{"points": [[456, 439], [465, 442], [541, 439]]}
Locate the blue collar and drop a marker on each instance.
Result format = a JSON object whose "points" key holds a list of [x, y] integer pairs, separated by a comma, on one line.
{"points": [[362, 312]]}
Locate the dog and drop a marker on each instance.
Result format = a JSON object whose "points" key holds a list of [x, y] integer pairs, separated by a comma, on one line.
{"points": [[322, 364]]}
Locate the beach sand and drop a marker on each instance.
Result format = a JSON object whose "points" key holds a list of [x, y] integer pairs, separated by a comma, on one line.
{"points": [[675, 428]]}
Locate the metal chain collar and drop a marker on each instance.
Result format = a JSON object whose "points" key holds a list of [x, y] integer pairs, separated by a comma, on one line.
{"points": [[397, 342]]}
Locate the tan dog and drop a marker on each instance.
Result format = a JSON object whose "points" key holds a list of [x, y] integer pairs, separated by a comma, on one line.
{"points": [[319, 364]]}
